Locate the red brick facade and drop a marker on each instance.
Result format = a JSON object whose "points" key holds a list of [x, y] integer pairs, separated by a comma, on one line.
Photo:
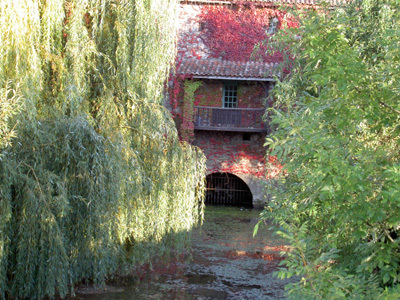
{"points": [[250, 94], [239, 152]]}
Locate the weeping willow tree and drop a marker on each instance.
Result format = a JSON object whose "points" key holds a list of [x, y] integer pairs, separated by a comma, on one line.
{"points": [[92, 175]]}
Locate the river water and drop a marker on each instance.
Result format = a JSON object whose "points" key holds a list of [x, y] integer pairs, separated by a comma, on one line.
{"points": [[225, 262]]}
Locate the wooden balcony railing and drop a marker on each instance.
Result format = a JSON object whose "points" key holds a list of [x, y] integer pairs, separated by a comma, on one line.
{"points": [[229, 119]]}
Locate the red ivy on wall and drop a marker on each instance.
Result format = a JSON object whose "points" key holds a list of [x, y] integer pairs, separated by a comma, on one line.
{"points": [[233, 33], [229, 32], [227, 155]]}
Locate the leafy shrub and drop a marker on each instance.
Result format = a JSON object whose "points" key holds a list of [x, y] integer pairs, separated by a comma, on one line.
{"points": [[336, 118]]}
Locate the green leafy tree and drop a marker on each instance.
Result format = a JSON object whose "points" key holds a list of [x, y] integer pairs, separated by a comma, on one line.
{"points": [[93, 178], [337, 121]]}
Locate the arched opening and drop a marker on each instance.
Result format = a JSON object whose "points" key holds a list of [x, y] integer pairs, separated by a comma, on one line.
{"points": [[227, 189]]}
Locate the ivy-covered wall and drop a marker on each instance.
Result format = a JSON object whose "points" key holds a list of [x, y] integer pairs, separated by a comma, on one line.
{"points": [[207, 92], [196, 41], [228, 152], [251, 94], [230, 32]]}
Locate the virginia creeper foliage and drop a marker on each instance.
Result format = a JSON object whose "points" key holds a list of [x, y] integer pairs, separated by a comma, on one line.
{"points": [[232, 34]]}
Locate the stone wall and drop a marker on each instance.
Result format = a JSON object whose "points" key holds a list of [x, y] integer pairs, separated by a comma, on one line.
{"points": [[241, 154], [190, 44]]}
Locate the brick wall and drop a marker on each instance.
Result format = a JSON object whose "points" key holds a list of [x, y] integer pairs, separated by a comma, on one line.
{"points": [[229, 152], [241, 154], [238, 153], [250, 94]]}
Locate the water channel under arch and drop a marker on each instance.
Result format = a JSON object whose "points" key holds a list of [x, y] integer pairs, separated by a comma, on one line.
{"points": [[228, 190], [225, 262]]}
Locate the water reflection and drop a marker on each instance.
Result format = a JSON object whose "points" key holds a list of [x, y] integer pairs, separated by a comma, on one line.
{"points": [[225, 262]]}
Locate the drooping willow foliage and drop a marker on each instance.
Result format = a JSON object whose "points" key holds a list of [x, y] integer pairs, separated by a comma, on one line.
{"points": [[92, 175]]}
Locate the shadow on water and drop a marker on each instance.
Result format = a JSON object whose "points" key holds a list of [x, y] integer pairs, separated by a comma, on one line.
{"points": [[225, 262]]}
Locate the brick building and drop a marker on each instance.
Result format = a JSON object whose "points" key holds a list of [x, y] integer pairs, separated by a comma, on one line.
{"points": [[220, 91]]}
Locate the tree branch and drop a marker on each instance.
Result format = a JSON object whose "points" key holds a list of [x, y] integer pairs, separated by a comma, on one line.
{"points": [[388, 106]]}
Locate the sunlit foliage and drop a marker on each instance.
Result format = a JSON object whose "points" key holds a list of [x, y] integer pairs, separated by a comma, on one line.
{"points": [[241, 33], [337, 120], [92, 175]]}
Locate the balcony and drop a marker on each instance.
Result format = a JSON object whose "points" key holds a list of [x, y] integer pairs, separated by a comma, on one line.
{"points": [[229, 119]]}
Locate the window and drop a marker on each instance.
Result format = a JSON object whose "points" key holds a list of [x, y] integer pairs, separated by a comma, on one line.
{"points": [[202, 25], [230, 95], [273, 25]]}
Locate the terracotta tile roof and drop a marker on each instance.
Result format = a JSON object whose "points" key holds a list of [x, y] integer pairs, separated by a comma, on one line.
{"points": [[215, 68], [307, 2], [278, 2]]}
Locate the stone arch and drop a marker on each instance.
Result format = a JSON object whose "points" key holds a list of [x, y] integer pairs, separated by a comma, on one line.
{"points": [[227, 189], [257, 188]]}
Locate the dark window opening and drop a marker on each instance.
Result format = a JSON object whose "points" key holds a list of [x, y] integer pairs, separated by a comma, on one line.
{"points": [[227, 189], [202, 25], [246, 136]]}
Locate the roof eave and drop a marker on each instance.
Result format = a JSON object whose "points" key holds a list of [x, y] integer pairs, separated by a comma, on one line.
{"points": [[235, 78], [263, 2], [206, 2]]}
